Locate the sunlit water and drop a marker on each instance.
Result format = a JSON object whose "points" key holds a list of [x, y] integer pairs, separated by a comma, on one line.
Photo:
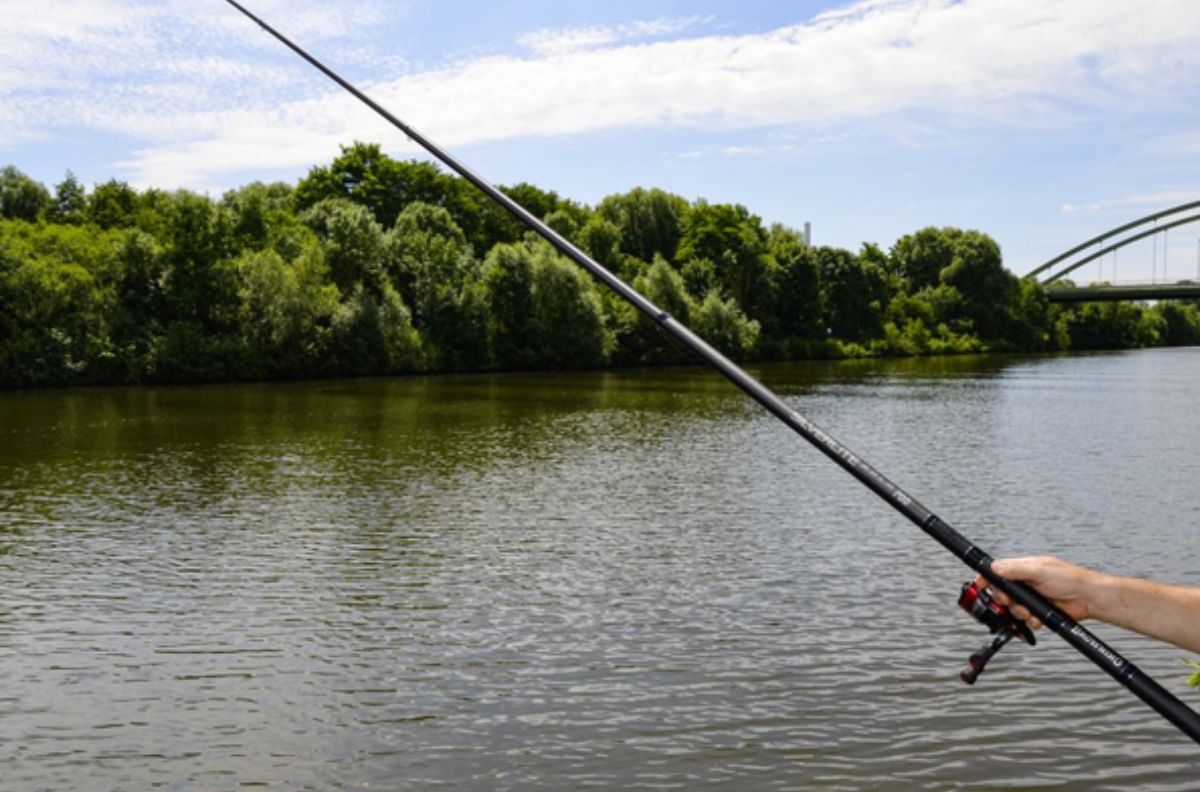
{"points": [[632, 580]]}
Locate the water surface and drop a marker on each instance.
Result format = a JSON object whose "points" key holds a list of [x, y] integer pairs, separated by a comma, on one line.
{"points": [[631, 580]]}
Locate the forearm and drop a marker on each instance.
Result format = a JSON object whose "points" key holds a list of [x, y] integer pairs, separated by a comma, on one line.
{"points": [[1169, 613]]}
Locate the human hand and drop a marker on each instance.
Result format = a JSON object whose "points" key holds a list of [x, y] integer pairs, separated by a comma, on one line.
{"points": [[1069, 587]]}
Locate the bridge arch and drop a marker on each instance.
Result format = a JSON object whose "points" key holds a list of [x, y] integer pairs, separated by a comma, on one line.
{"points": [[1141, 228]]}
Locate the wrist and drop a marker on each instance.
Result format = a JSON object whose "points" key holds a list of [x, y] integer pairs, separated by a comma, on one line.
{"points": [[1102, 598]]}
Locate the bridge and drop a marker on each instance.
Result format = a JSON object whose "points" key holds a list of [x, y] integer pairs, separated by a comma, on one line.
{"points": [[1113, 240]]}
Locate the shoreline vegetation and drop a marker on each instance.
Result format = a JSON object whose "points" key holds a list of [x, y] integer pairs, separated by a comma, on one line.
{"points": [[372, 266]]}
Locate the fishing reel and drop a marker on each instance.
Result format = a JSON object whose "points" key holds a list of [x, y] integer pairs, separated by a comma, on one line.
{"points": [[979, 603]]}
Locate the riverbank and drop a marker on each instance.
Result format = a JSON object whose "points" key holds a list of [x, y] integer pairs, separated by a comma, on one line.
{"points": [[417, 274]]}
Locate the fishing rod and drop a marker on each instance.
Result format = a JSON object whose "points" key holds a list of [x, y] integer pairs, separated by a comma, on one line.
{"points": [[973, 599]]}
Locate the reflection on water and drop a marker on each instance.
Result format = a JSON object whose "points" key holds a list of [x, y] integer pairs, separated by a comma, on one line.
{"points": [[617, 580]]}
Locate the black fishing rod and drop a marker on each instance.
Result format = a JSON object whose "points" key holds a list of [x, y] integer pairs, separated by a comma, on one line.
{"points": [[974, 600]]}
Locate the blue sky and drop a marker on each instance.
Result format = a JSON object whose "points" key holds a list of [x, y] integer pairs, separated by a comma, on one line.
{"points": [[1040, 122]]}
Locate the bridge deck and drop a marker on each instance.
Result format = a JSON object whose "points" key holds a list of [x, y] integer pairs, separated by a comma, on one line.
{"points": [[1138, 291]]}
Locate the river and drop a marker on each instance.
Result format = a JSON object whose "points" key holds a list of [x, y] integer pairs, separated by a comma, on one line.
{"points": [[610, 580]]}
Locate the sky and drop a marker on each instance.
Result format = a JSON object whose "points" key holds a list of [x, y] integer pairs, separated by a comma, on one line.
{"points": [[1039, 122]]}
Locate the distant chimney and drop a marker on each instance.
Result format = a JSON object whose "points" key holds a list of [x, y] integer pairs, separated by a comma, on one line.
{"points": [[807, 234]]}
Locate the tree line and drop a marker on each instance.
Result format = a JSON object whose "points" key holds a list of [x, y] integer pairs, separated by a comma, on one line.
{"points": [[372, 265]]}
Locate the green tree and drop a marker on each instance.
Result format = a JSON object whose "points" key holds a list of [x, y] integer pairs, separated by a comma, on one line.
{"points": [[1002, 312], [374, 266], [920, 258], [699, 276], [364, 175], [991, 294], [10, 328], [139, 305], [544, 311], [563, 224], [284, 312], [70, 202], [924, 323], [259, 213], [152, 211], [601, 239], [53, 303], [113, 204], [353, 243], [1039, 325], [569, 327], [508, 292], [21, 198], [736, 242], [664, 286], [1109, 325], [538, 202], [650, 221], [796, 288], [59, 320], [484, 222], [1180, 323], [436, 273], [426, 247], [854, 294], [373, 334], [721, 323], [200, 284]]}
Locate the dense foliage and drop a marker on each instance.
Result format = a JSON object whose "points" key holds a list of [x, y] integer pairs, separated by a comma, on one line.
{"points": [[375, 266]]}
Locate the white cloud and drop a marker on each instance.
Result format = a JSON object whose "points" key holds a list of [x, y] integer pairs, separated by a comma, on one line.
{"points": [[126, 66], [769, 150], [560, 41], [1162, 199], [973, 59], [209, 94]]}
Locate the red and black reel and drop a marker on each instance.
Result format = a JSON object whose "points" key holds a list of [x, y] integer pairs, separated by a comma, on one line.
{"points": [[979, 603]]}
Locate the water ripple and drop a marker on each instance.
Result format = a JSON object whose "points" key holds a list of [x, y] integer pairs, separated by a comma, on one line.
{"points": [[629, 581]]}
